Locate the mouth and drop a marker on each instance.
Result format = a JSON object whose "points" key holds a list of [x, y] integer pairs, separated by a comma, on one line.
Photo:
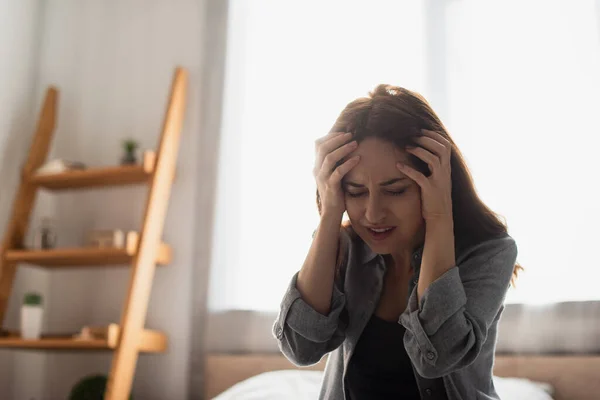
{"points": [[381, 233]]}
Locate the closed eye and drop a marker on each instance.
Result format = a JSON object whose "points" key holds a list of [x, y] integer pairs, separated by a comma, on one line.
{"points": [[397, 193], [355, 194], [393, 193]]}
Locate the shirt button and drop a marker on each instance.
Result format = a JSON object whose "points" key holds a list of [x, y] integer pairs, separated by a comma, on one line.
{"points": [[279, 331], [430, 355], [428, 391]]}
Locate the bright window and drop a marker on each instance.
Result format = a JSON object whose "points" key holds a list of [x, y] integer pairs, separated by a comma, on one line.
{"points": [[516, 84]]}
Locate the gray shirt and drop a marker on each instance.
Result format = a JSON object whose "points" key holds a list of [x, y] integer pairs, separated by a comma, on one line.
{"points": [[451, 335]]}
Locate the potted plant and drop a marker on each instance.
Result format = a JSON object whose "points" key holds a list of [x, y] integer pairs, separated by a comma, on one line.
{"points": [[129, 147], [32, 313], [90, 387]]}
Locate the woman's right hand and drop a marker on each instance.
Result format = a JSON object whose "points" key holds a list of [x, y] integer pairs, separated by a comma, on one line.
{"points": [[330, 149]]}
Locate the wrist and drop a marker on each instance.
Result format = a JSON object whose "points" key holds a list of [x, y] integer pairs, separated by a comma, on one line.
{"points": [[332, 212], [332, 215], [440, 223]]}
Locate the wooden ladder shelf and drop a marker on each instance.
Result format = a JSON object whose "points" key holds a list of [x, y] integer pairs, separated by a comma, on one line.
{"points": [[156, 170]]}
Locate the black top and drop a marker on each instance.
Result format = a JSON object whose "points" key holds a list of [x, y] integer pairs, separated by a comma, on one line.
{"points": [[380, 367]]}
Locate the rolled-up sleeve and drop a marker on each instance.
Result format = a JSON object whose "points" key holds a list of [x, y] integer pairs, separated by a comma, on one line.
{"points": [[448, 329], [305, 335]]}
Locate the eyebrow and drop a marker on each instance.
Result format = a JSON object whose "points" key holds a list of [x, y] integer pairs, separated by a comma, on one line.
{"points": [[386, 183]]}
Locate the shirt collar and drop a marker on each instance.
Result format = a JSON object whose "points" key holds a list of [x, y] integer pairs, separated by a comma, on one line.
{"points": [[368, 255]]}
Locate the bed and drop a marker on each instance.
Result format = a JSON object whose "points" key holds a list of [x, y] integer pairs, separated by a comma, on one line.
{"points": [[272, 376], [552, 352]]}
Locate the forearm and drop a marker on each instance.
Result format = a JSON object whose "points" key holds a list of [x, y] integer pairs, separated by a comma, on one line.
{"points": [[438, 253], [315, 279]]}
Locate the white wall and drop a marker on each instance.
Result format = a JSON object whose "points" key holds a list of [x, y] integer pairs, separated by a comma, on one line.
{"points": [[113, 64], [21, 373]]}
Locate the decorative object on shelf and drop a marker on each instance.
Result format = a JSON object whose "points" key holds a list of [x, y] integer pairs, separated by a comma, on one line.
{"points": [[105, 238], [91, 387], [32, 313], [58, 165], [45, 237], [129, 157], [115, 238], [92, 332]]}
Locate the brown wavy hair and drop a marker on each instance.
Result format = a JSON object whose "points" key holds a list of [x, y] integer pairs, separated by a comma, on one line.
{"points": [[397, 115]]}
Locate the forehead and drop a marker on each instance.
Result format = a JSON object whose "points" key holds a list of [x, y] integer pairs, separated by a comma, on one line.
{"points": [[378, 160]]}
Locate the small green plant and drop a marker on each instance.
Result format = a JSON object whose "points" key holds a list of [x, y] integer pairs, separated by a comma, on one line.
{"points": [[130, 145], [32, 299]]}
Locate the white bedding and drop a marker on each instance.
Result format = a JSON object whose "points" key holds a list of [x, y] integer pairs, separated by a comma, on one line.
{"points": [[305, 385]]}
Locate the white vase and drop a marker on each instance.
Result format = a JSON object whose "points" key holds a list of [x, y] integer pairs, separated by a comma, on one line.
{"points": [[31, 321]]}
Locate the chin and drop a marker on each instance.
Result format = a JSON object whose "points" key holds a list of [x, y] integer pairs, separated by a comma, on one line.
{"points": [[382, 246]]}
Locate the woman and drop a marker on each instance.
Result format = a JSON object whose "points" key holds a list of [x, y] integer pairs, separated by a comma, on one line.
{"points": [[406, 296]]}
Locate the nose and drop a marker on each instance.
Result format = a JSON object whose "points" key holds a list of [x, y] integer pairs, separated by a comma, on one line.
{"points": [[375, 212]]}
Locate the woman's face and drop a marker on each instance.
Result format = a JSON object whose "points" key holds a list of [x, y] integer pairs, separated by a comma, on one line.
{"points": [[379, 196]]}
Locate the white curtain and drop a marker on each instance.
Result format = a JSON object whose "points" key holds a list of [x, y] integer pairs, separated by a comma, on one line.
{"points": [[516, 83], [524, 96]]}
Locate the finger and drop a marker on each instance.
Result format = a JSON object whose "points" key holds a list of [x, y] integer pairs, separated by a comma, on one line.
{"points": [[335, 141], [437, 137], [330, 145], [327, 137], [344, 168], [413, 174], [432, 160], [432, 145], [333, 158]]}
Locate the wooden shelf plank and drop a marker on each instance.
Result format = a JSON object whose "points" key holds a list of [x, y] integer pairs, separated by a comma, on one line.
{"points": [[98, 177], [150, 341], [53, 343], [81, 256]]}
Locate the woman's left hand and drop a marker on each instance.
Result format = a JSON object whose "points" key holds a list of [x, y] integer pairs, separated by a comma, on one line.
{"points": [[436, 190]]}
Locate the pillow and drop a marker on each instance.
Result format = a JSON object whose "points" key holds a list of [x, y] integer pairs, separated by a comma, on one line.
{"points": [[277, 385], [522, 389]]}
